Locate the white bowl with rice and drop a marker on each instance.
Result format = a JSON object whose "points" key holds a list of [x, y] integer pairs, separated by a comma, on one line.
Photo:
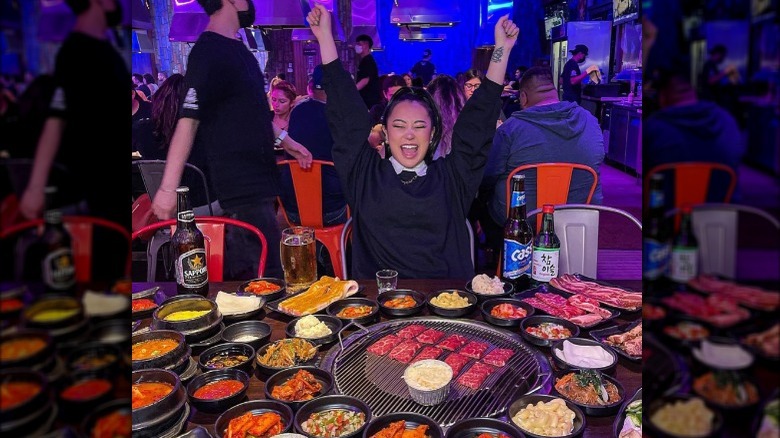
{"points": [[428, 381], [485, 287]]}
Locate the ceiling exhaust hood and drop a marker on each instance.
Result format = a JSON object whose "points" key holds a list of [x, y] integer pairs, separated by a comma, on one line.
{"points": [[141, 17], [425, 13], [416, 34], [305, 33], [365, 22], [489, 13]]}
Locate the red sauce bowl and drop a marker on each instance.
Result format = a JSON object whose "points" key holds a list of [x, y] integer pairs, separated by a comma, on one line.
{"points": [[82, 394], [215, 391]]}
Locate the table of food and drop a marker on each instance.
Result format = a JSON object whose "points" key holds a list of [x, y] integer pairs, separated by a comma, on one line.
{"points": [[430, 359]]}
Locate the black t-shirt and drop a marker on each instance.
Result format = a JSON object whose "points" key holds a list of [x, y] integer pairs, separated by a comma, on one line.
{"points": [[371, 93], [424, 70], [234, 144], [572, 93], [146, 90]]}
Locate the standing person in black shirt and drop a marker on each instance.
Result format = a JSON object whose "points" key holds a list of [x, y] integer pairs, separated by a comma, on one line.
{"points": [[225, 119], [424, 68], [409, 211], [367, 77], [138, 80], [86, 130], [571, 76]]}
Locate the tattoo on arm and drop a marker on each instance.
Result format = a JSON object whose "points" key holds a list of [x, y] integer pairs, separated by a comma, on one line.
{"points": [[497, 54]]}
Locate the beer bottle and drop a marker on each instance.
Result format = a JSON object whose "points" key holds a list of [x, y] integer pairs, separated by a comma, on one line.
{"points": [[547, 248], [656, 243], [189, 249], [49, 259], [685, 251], [518, 239]]}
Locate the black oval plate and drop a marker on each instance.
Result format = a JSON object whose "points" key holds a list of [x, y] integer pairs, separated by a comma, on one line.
{"points": [[340, 305], [333, 323], [473, 427], [330, 402], [593, 410], [453, 313], [621, 416], [508, 289], [561, 364], [412, 421], [488, 305], [535, 320], [579, 417], [274, 305], [398, 293], [602, 335]]}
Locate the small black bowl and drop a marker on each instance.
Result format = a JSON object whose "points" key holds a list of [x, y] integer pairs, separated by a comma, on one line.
{"points": [[256, 407], [593, 410], [235, 348], [732, 411], [150, 295], [533, 399], [272, 296], [266, 370], [26, 407], [487, 306], [412, 421], [323, 377], [473, 427], [121, 407], [331, 402], [453, 313], [162, 413], [532, 321], [196, 432], [221, 404], [508, 290], [657, 403], [333, 323], [340, 305], [563, 365], [95, 357], [74, 406], [170, 360], [34, 360], [419, 298], [257, 329]]}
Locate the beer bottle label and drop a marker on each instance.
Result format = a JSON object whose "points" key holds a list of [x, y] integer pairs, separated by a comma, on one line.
{"points": [[186, 216], [518, 199], [58, 269], [545, 263], [684, 264], [655, 256], [517, 259], [191, 271]]}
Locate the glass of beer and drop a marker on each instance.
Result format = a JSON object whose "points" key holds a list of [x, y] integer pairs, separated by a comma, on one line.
{"points": [[299, 259]]}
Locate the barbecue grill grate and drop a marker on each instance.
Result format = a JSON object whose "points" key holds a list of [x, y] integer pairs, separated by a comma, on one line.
{"points": [[378, 382]]}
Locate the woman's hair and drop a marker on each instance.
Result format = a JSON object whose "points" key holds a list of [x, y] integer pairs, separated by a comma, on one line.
{"points": [[165, 108], [419, 95], [392, 81], [149, 79], [450, 99], [287, 88], [469, 75]]}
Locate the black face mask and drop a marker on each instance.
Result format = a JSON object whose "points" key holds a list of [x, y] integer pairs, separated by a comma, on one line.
{"points": [[113, 18], [247, 18]]}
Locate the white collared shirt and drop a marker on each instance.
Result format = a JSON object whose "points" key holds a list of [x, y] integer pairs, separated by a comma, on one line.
{"points": [[420, 169]]}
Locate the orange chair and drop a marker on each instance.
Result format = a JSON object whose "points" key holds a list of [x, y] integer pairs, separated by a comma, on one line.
{"points": [[692, 181], [213, 229], [80, 229], [308, 194]]}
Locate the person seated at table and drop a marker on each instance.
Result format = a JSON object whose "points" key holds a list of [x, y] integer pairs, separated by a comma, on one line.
{"points": [[409, 211], [390, 84]]}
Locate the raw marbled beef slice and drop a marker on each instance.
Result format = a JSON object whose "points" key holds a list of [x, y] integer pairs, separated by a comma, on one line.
{"points": [[384, 345], [405, 351], [430, 336], [498, 357], [411, 331], [474, 349], [453, 342]]}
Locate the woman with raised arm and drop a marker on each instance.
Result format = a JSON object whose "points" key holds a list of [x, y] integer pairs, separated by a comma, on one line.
{"points": [[409, 211]]}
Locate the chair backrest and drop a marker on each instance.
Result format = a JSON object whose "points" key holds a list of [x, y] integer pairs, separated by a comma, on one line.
{"points": [[81, 231], [19, 170], [213, 229], [692, 181], [552, 183], [577, 227], [152, 174], [716, 228], [307, 185]]}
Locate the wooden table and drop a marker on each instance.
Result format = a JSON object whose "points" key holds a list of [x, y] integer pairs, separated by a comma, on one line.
{"points": [[629, 374]]}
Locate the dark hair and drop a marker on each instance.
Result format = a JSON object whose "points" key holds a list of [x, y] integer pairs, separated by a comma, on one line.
{"points": [[536, 75], [148, 78], [450, 99], [210, 6], [139, 76], [287, 88], [281, 76], [417, 82], [165, 108], [77, 6], [419, 95], [471, 74], [366, 38], [392, 81], [719, 49]]}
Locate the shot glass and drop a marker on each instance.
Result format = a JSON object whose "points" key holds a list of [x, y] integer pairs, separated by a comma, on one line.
{"points": [[386, 280]]}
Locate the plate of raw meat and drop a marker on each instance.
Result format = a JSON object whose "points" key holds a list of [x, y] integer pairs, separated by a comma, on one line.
{"points": [[625, 339]]}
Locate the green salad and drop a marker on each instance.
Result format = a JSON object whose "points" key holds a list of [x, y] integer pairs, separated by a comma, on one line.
{"points": [[334, 423]]}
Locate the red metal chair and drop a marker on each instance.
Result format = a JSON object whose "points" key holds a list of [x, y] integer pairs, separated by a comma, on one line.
{"points": [[81, 230], [213, 229], [308, 194]]}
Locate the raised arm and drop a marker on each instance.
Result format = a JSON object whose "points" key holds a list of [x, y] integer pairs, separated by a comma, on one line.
{"points": [[506, 33], [164, 203]]}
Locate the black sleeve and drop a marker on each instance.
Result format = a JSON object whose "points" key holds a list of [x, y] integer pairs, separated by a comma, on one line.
{"points": [[416, 69], [471, 139], [566, 74], [200, 91]]}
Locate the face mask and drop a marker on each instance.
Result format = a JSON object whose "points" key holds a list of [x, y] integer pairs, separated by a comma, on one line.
{"points": [[247, 18], [113, 18], [358, 49]]}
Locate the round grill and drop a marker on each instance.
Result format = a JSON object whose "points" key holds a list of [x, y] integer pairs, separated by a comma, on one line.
{"points": [[377, 380]]}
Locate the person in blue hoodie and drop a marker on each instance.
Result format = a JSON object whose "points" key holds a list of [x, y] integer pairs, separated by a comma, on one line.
{"points": [[546, 130]]}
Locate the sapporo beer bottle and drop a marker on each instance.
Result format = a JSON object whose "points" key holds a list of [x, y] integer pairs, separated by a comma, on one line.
{"points": [[656, 243], [518, 239], [684, 264], [547, 249], [50, 258], [189, 248]]}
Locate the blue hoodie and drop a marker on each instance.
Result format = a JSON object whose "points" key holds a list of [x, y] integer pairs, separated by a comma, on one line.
{"points": [[560, 132]]}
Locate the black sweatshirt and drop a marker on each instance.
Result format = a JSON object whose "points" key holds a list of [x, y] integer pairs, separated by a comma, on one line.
{"points": [[418, 229]]}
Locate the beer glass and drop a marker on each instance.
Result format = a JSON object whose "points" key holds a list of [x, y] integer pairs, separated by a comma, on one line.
{"points": [[299, 260]]}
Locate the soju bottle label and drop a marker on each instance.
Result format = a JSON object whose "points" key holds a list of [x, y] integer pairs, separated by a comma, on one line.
{"points": [[545, 263], [58, 269], [517, 259], [655, 261], [684, 264], [191, 269]]}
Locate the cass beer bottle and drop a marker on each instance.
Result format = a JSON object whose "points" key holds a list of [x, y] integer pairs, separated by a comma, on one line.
{"points": [[518, 239], [189, 249], [547, 248], [50, 258], [656, 243], [685, 251]]}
